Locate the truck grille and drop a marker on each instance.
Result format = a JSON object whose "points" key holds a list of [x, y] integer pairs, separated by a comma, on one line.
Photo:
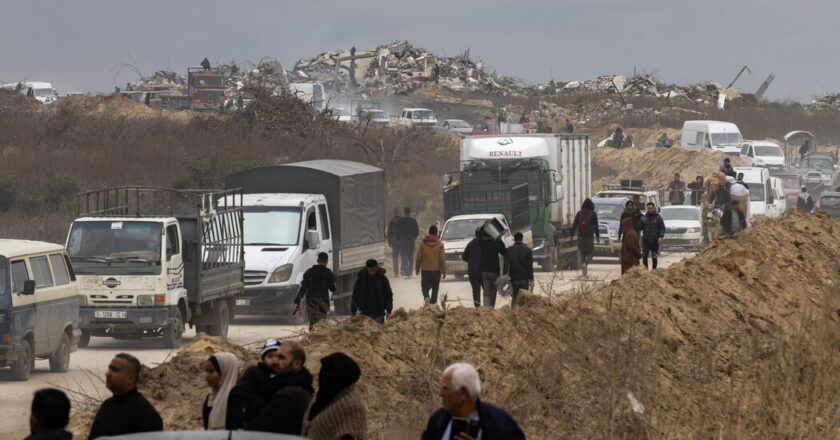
{"points": [[253, 277], [676, 230], [453, 256]]}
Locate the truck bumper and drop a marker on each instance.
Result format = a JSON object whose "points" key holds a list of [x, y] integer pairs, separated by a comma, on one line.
{"points": [[9, 354], [136, 319], [267, 301], [456, 266], [605, 246]]}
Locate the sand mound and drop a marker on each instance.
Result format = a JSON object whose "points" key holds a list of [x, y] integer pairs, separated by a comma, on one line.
{"points": [[13, 101], [653, 165], [112, 105], [738, 342]]}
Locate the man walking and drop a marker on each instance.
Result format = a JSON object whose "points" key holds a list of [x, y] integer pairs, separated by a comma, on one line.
{"points": [[407, 232], [632, 212], [586, 225], [372, 294], [733, 220], [519, 265], [490, 270], [318, 282], [697, 189], [677, 191], [50, 415], [127, 411], [431, 259], [393, 239], [472, 255], [654, 230]]}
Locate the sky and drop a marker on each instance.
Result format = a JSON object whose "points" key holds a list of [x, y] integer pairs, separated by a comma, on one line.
{"points": [[79, 45]]}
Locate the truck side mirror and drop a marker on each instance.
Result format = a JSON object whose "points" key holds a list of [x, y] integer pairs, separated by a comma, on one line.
{"points": [[28, 287], [311, 240], [558, 192]]}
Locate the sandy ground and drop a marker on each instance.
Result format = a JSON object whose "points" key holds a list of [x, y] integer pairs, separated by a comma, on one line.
{"points": [[87, 366]]}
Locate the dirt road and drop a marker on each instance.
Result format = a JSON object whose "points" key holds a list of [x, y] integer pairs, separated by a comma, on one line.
{"points": [[87, 366]]}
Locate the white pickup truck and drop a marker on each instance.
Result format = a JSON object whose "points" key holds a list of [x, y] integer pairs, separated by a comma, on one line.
{"points": [[415, 117]]}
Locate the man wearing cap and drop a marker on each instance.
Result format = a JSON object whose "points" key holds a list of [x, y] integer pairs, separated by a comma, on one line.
{"points": [[258, 382], [372, 294]]}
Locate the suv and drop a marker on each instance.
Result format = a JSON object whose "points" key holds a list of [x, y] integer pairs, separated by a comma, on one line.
{"points": [[817, 168], [609, 211], [39, 306]]}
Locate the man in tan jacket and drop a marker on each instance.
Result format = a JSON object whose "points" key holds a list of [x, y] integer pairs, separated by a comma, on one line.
{"points": [[431, 259]]}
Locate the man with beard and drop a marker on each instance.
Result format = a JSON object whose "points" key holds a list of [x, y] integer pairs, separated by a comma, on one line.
{"points": [[283, 414], [258, 383], [339, 409], [127, 411]]}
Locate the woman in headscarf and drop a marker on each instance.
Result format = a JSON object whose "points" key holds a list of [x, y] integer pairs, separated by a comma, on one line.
{"points": [[631, 250], [586, 225], [221, 372], [338, 411]]}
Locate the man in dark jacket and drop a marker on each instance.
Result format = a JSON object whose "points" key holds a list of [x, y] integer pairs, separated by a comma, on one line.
{"points": [[393, 241], [258, 383], [49, 417], [283, 414], [697, 189], [519, 265], [463, 413], [490, 269], [472, 255], [805, 202], [654, 230], [127, 411], [586, 225], [733, 220], [318, 282], [632, 211], [372, 294], [407, 233], [726, 168]]}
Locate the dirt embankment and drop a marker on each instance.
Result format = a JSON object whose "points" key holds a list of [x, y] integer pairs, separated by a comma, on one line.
{"points": [[737, 342], [656, 166]]}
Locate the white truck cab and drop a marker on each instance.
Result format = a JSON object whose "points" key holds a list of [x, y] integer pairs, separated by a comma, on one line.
{"points": [[415, 117], [764, 154], [712, 136]]}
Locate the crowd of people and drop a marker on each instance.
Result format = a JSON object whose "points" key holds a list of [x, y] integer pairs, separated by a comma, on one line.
{"points": [[277, 396]]}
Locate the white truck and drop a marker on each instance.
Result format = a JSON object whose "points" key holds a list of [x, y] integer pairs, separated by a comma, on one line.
{"points": [[40, 90], [142, 275], [712, 136], [415, 117], [556, 170], [295, 211]]}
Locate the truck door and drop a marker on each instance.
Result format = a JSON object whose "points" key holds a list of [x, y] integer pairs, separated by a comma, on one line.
{"points": [[324, 225], [23, 306], [174, 260], [44, 337], [309, 256]]}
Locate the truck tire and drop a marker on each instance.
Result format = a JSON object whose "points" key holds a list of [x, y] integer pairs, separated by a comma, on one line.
{"points": [[60, 359], [173, 333], [202, 329], [222, 320], [22, 368], [84, 341]]}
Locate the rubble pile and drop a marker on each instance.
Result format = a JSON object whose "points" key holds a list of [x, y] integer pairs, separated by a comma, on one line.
{"points": [[825, 102], [648, 85], [736, 342]]}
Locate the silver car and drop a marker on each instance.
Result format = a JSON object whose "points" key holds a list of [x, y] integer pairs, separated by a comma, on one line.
{"points": [[458, 126]]}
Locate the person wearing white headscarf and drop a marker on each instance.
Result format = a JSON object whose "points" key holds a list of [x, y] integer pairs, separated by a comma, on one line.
{"points": [[221, 372]]}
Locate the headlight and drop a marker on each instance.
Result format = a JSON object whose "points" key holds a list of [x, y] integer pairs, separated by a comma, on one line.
{"points": [[281, 274], [692, 230], [145, 300]]}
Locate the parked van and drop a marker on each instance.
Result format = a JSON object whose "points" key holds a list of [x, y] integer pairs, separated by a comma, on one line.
{"points": [[712, 136], [763, 154], [39, 306], [767, 194]]}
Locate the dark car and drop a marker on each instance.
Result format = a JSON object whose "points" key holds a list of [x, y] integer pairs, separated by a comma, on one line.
{"points": [[830, 203]]}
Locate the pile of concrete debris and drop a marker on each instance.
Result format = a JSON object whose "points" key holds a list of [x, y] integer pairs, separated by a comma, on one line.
{"points": [[825, 102], [646, 85]]}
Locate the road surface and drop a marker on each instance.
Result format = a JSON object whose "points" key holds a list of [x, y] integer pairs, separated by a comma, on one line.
{"points": [[88, 365]]}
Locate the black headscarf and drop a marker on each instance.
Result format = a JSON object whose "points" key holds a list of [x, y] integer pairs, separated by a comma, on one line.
{"points": [[337, 373], [587, 205]]}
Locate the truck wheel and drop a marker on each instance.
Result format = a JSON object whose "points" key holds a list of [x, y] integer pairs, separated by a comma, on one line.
{"points": [[22, 368], [173, 333], [202, 329], [222, 319], [84, 341], [60, 359]]}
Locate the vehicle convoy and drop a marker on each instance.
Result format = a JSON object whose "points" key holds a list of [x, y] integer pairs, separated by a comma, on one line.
{"points": [[767, 194], [711, 136], [295, 211], [415, 117], [148, 260], [554, 168], [683, 227], [763, 154], [39, 306]]}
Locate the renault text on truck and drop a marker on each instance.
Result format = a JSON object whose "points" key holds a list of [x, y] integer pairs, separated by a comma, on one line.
{"points": [[294, 212], [556, 170], [148, 260], [39, 306]]}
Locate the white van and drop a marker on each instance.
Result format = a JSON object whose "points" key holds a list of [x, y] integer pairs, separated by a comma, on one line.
{"points": [[42, 91], [39, 306], [711, 136], [767, 196], [763, 154]]}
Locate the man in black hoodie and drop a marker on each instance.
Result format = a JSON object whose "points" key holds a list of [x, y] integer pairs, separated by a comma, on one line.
{"points": [[407, 233], [372, 294], [654, 230], [127, 411], [283, 414], [50, 414], [519, 265], [258, 383], [586, 225], [318, 282], [490, 269], [472, 255]]}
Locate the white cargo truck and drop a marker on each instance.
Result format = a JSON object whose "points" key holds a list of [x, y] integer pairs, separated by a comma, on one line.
{"points": [[148, 260]]}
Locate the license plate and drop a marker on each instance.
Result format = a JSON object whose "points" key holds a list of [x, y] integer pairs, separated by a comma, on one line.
{"points": [[243, 302], [109, 314], [672, 236]]}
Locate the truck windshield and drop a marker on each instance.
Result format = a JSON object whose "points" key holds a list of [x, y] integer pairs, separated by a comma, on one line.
{"points": [[4, 275], [608, 212], [208, 82], [681, 213], [726, 138], [460, 229], [424, 114], [43, 92], [768, 151], [115, 247], [265, 225], [756, 192], [818, 163]]}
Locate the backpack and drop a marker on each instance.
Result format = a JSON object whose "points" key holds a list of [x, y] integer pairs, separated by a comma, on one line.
{"points": [[585, 225]]}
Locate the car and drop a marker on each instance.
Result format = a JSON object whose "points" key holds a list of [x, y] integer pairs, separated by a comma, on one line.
{"points": [[830, 203], [486, 128], [459, 126], [817, 168], [683, 227], [762, 154], [792, 184], [608, 210], [374, 115]]}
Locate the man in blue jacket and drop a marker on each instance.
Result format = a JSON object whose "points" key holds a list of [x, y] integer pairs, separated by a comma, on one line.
{"points": [[465, 417]]}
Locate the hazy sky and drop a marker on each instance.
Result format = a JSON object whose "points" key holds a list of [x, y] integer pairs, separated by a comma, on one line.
{"points": [[78, 45]]}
